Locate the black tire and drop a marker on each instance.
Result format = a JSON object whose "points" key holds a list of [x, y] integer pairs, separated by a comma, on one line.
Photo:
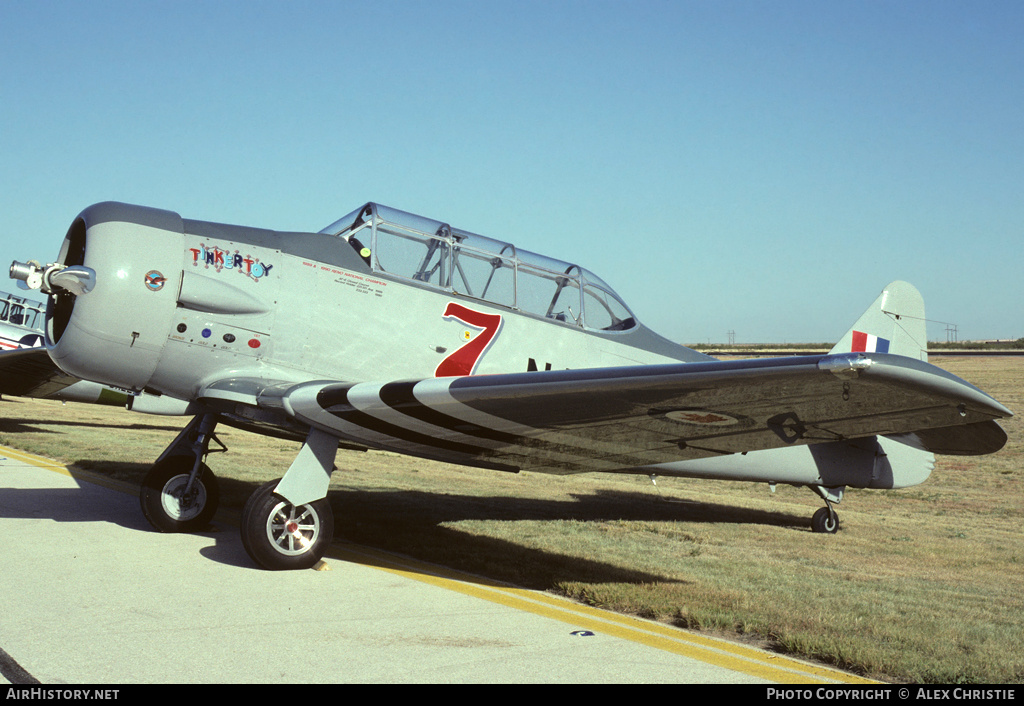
{"points": [[825, 521], [270, 542], [161, 496]]}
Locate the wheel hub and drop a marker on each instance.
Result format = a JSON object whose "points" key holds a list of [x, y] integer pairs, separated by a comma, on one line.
{"points": [[181, 505], [292, 530]]}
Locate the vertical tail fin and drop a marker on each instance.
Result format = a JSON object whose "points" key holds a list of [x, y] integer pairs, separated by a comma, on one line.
{"points": [[894, 324]]}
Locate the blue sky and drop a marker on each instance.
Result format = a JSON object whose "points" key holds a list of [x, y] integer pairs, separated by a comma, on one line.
{"points": [[758, 167]]}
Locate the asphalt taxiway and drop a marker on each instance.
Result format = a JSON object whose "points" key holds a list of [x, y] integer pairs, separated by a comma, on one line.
{"points": [[89, 594]]}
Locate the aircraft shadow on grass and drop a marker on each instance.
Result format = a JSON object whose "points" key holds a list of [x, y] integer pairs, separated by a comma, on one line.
{"points": [[13, 425]]}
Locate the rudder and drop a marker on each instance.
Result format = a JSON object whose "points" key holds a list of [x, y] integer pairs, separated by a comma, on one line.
{"points": [[894, 323]]}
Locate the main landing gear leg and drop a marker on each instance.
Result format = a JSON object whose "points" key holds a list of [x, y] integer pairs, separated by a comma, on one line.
{"points": [[289, 524], [180, 493], [826, 520]]}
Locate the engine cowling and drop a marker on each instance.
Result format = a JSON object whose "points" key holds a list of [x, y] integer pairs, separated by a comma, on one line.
{"points": [[115, 332]]}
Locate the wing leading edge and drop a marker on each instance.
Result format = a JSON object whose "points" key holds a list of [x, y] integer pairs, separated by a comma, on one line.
{"points": [[614, 419], [29, 372]]}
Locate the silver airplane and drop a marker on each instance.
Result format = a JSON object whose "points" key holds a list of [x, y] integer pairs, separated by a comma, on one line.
{"points": [[388, 330]]}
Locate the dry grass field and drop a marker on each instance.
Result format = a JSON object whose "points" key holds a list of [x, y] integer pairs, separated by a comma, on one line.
{"points": [[924, 584]]}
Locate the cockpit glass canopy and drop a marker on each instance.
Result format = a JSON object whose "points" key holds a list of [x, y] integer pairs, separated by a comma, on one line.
{"points": [[434, 254], [21, 312]]}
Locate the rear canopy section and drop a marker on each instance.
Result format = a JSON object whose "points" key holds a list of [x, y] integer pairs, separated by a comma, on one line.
{"points": [[438, 256]]}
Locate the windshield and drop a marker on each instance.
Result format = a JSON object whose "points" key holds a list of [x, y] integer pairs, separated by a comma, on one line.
{"points": [[433, 253]]}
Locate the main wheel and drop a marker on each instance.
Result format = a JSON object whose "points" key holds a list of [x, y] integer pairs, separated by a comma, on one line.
{"points": [[163, 498], [279, 535], [825, 520]]}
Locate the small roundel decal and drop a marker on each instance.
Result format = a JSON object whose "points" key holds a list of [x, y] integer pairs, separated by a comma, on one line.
{"points": [[701, 417], [155, 281]]}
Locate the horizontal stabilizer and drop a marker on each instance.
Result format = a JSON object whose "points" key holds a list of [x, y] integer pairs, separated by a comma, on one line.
{"points": [[967, 440]]}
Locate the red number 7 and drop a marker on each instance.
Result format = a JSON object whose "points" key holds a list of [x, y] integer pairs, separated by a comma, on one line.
{"points": [[463, 361]]}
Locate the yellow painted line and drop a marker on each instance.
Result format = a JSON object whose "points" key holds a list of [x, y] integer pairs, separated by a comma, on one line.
{"points": [[739, 658], [78, 473], [25, 457]]}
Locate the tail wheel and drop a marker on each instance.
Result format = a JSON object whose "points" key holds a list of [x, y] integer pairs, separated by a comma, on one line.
{"points": [[168, 503], [279, 535], [825, 520]]}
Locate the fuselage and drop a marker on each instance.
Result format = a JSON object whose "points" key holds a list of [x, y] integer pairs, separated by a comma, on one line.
{"points": [[178, 302]]}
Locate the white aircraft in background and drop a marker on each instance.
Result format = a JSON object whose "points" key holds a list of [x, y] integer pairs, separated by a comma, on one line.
{"points": [[21, 322], [392, 331], [24, 373]]}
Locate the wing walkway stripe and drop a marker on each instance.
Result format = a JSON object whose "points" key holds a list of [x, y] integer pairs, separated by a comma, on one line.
{"points": [[14, 672], [335, 401], [400, 397], [339, 405], [585, 455], [750, 661]]}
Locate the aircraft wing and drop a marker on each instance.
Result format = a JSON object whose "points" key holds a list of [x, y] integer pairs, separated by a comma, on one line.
{"points": [[613, 419], [29, 372]]}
